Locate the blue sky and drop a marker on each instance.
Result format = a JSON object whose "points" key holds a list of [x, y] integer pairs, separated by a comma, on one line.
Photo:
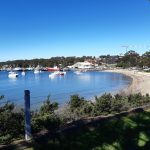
{"points": [[45, 28]]}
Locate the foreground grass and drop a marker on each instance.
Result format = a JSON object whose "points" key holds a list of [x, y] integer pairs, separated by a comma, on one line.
{"points": [[125, 133]]}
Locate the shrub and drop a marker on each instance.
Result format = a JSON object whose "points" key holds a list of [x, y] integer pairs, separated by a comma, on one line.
{"points": [[46, 118], [103, 104], [46, 121], [48, 107], [11, 123]]}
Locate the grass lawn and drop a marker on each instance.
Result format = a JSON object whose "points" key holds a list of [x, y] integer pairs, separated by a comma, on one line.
{"points": [[125, 133]]}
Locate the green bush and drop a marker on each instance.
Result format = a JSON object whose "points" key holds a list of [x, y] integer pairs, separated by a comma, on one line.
{"points": [[48, 107], [48, 118], [45, 118], [106, 104], [46, 121], [76, 102], [11, 123], [103, 104]]}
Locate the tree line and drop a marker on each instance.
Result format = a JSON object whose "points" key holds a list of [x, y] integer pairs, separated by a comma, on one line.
{"points": [[53, 61], [129, 59], [133, 59]]}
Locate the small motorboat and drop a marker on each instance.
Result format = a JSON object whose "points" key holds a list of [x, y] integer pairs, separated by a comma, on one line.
{"points": [[29, 69], [36, 71], [57, 73], [12, 74], [17, 69], [52, 76], [23, 73]]}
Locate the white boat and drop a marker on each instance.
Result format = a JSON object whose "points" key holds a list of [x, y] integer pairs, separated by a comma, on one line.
{"points": [[17, 69], [12, 74], [29, 69], [57, 73], [37, 70], [23, 73], [52, 76]]}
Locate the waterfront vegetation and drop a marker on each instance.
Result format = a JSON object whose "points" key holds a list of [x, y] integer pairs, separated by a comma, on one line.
{"points": [[129, 59], [64, 61], [133, 59], [51, 118]]}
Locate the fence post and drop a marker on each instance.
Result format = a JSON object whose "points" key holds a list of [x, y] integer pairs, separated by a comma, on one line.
{"points": [[27, 115]]}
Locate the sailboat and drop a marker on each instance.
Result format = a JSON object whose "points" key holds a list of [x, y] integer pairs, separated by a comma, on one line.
{"points": [[37, 70]]}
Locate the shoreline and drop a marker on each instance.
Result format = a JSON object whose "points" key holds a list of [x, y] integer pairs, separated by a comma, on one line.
{"points": [[140, 81]]}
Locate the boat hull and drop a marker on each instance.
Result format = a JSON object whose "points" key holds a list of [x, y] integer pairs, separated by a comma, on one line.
{"points": [[12, 75], [53, 69]]}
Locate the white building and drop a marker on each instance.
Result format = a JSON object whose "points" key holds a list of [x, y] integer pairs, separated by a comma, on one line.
{"points": [[82, 65]]}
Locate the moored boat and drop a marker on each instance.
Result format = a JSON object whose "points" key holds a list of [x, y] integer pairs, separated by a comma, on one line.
{"points": [[29, 69], [55, 68], [37, 70], [12, 74], [23, 73], [57, 73], [17, 69]]}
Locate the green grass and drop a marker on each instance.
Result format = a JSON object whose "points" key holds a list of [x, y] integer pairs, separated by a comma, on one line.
{"points": [[125, 133]]}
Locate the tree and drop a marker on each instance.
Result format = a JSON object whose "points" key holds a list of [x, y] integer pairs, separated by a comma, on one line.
{"points": [[130, 59], [146, 59]]}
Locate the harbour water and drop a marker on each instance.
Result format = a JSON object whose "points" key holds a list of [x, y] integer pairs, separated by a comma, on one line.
{"points": [[87, 84]]}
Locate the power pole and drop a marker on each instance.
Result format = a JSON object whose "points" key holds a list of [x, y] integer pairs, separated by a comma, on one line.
{"points": [[126, 47]]}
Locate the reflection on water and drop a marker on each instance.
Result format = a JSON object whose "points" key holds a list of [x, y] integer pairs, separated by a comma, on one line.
{"points": [[60, 88], [12, 79], [84, 77], [37, 76]]}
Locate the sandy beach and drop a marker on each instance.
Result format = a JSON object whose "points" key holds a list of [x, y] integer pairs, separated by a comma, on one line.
{"points": [[140, 81]]}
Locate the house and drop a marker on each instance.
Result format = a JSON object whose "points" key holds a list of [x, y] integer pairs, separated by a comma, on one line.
{"points": [[82, 65]]}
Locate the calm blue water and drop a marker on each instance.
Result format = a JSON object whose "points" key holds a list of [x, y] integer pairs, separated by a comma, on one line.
{"points": [[88, 84]]}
